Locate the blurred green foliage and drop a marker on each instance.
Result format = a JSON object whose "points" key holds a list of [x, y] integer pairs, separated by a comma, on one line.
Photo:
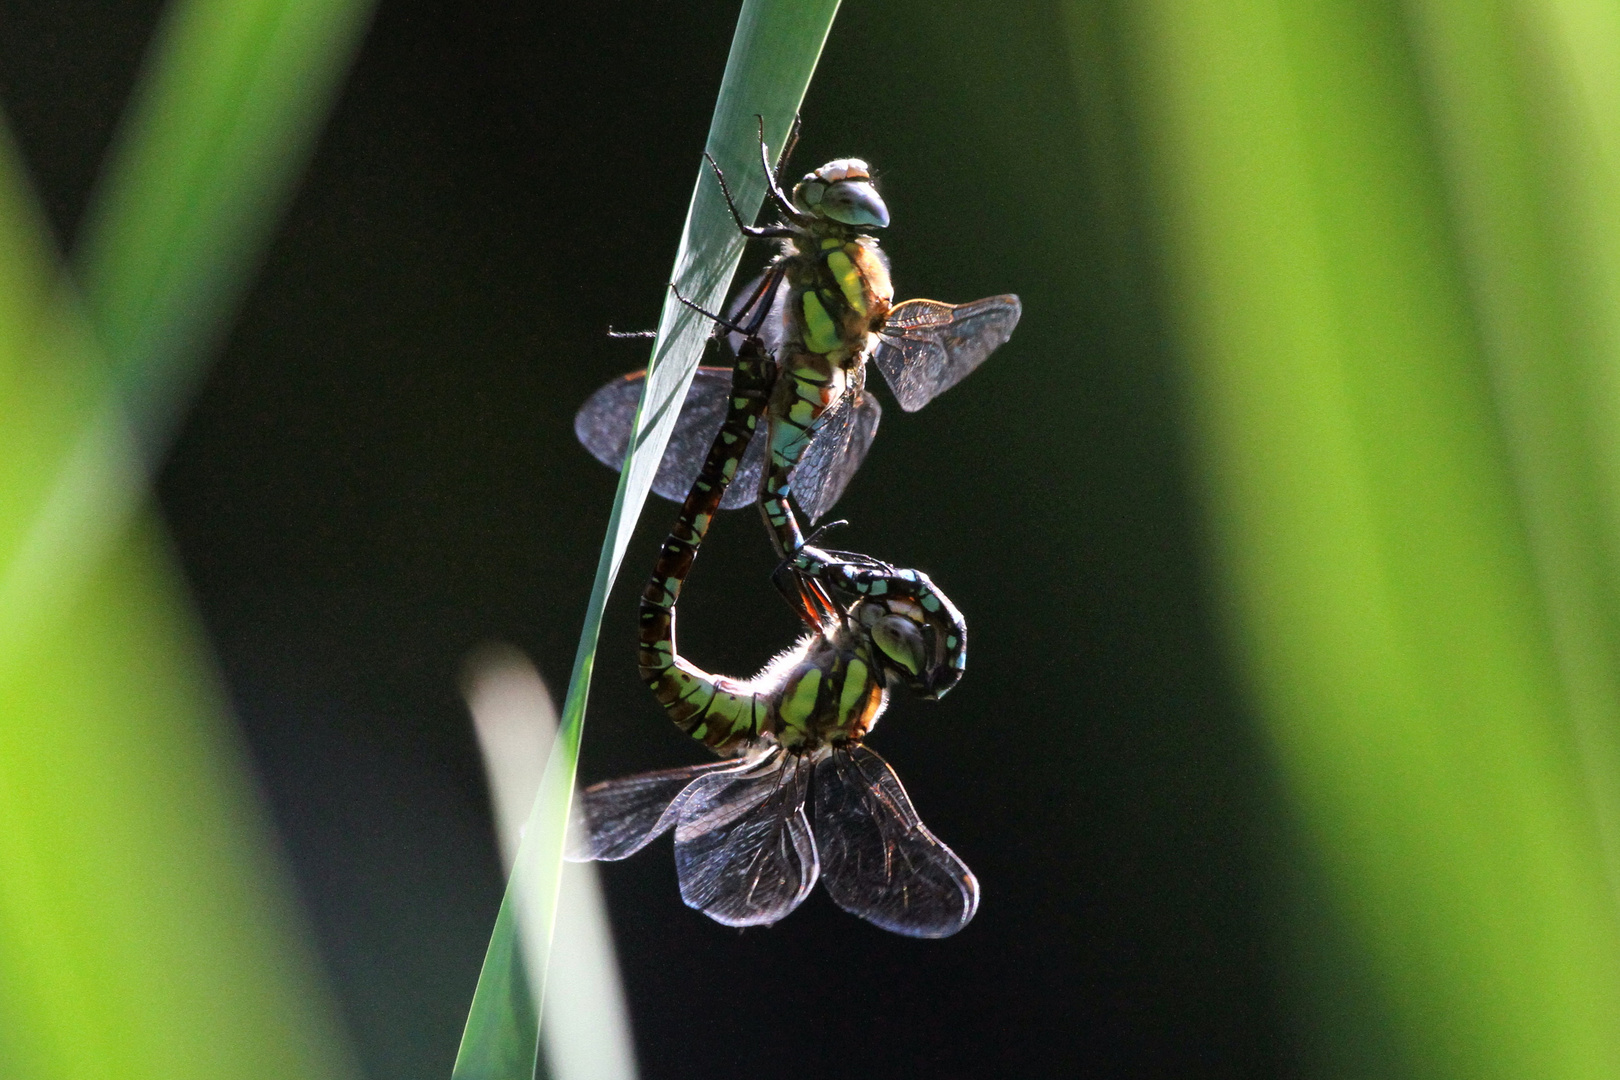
{"points": [[1386, 231], [145, 927], [1393, 265]]}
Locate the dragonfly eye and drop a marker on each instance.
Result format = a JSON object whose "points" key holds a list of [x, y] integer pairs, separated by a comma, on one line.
{"points": [[842, 191], [855, 202], [901, 641]]}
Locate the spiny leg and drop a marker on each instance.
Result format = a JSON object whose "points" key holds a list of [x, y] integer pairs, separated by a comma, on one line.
{"points": [[772, 175], [773, 187], [775, 232], [790, 144]]}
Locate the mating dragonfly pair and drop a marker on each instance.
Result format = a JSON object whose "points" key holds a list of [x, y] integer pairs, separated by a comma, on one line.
{"points": [[797, 796]]}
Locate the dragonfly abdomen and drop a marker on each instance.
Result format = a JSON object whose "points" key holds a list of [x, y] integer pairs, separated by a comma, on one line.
{"points": [[717, 711]]}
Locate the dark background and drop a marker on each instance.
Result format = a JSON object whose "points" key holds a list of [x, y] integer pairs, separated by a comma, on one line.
{"points": [[380, 473]]}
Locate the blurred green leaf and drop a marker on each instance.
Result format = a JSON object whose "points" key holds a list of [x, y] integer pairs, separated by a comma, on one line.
{"points": [[221, 123], [1409, 497], [585, 1032], [220, 126], [773, 55], [145, 930], [1527, 134]]}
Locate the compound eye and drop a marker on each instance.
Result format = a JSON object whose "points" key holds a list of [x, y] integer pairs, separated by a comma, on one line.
{"points": [[807, 194], [902, 642], [855, 202]]}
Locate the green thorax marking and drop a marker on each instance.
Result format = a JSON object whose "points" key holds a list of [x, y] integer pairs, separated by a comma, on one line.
{"points": [[850, 281], [820, 330]]}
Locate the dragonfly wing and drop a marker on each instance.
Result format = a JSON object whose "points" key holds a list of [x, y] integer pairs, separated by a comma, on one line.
{"points": [[603, 424], [835, 453], [617, 818], [926, 347], [770, 328], [743, 847], [878, 859]]}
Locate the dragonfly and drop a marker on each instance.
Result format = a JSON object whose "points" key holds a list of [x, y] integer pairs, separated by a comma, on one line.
{"points": [[750, 840], [831, 307]]}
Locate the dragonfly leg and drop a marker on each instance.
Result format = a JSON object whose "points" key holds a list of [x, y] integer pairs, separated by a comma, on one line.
{"points": [[773, 183], [776, 232], [763, 296], [788, 146], [750, 332]]}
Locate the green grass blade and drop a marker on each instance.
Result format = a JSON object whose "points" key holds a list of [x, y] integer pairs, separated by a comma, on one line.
{"points": [[1385, 569], [585, 1032], [221, 124], [145, 930], [1523, 135], [773, 55]]}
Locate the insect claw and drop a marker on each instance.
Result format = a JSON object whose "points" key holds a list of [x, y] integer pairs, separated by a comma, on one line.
{"points": [[788, 147], [815, 536]]}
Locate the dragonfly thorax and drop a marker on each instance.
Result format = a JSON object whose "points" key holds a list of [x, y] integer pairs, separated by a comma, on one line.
{"points": [[838, 292], [830, 689]]}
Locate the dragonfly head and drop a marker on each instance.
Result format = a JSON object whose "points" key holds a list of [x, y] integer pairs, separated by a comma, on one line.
{"points": [[921, 639], [842, 191]]}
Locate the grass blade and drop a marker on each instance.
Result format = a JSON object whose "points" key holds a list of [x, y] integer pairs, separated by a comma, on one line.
{"points": [[585, 1032], [221, 124], [1380, 556], [222, 121], [773, 55], [145, 930]]}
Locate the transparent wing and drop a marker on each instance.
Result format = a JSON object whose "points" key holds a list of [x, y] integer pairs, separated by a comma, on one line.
{"points": [[743, 847], [839, 447], [617, 818], [926, 347], [771, 329], [878, 859], [602, 426]]}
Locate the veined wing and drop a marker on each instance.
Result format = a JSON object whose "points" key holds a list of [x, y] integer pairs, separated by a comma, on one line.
{"points": [[617, 818], [836, 450], [878, 859], [927, 347], [743, 847], [603, 423], [839, 447]]}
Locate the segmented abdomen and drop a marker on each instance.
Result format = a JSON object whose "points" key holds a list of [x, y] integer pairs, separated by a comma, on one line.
{"points": [[717, 711]]}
